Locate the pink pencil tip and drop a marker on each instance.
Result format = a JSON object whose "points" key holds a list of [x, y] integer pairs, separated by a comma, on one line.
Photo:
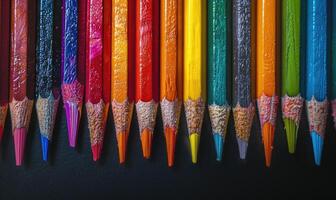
{"points": [[96, 151], [72, 111], [20, 135]]}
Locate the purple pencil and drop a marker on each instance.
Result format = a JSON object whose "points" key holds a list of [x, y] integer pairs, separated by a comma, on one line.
{"points": [[73, 63]]}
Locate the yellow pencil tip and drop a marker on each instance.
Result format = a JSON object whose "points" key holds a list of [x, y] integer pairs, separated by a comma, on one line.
{"points": [[194, 142]]}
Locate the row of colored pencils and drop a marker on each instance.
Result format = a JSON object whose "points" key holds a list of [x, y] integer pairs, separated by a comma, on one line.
{"points": [[147, 52]]}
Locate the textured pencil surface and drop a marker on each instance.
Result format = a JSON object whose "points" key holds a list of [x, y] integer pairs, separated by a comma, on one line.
{"points": [[316, 91], [266, 72], [333, 62], [171, 70], [218, 68], [22, 64], [243, 111], [122, 74], [4, 61], [47, 73], [194, 74], [97, 95], [73, 63], [147, 69]]}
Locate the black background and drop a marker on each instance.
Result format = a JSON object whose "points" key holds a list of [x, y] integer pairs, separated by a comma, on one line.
{"points": [[71, 174]]}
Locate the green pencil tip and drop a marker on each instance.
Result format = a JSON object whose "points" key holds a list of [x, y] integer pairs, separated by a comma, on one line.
{"points": [[291, 132]]}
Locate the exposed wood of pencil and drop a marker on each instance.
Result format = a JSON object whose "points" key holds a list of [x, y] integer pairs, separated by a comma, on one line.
{"points": [[266, 71], [194, 83], [4, 61], [243, 50], [317, 69], [47, 74], [22, 64], [122, 71], [73, 63], [171, 71], [147, 69], [291, 70], [96, 105]]}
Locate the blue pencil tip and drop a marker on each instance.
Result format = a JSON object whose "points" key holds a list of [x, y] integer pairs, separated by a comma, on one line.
{"points": [[219, 143], [45, 145], [317, 147], [242, 146]]}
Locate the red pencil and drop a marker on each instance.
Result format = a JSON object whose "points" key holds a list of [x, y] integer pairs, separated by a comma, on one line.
{"points": [[97, 96], [4, 62], [22, 65], [147, 69]]}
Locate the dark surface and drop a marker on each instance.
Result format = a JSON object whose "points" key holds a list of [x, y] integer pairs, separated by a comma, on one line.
{"points": [[71, 174]]}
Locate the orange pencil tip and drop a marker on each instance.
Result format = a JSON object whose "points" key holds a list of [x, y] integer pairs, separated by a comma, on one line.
{"points": [[170, 134], [268, 138], [146, 141], [122, 143]]}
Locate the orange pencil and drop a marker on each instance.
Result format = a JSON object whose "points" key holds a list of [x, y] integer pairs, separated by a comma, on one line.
{"points": [[266, 72], [122, 70], [171, 47]]}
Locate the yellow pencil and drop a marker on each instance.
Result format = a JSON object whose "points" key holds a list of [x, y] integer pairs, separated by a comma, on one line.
{"points": [[194, 69]]}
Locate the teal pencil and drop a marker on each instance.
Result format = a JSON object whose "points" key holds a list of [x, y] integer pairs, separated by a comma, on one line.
{"points": [[219, 109]]}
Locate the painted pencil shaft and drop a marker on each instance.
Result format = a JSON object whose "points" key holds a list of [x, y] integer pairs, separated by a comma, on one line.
{"points": [[218, 66], [21, 72], [194, 75], [316, 97], [147, 69], [96, 105], [4, 61], [122, 71], [171, 71], [333, 63], [243, 112], [291, 100], [266, 72], [72, 70], [47, 75]]}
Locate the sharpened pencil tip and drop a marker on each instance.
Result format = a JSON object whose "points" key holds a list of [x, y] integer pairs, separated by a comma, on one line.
{"points": [[45, 147], [194, 143], [170, 134], [242, 147], [146, 141], [96, 151], [72, 111], [122, 144], [318, 142], [268, 138], [20, 135], [219, 144]]}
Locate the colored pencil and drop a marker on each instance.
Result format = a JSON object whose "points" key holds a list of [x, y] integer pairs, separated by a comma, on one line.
{"points": [[194, 75], [244, 109], [266, 73], [22, 64], [47, 75], [73, 63], [333, 64], [218, 66], [147, 69], [123, 16], [4, 62], [292, 101], [97, 95], [171, 77], [316, 97]]}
